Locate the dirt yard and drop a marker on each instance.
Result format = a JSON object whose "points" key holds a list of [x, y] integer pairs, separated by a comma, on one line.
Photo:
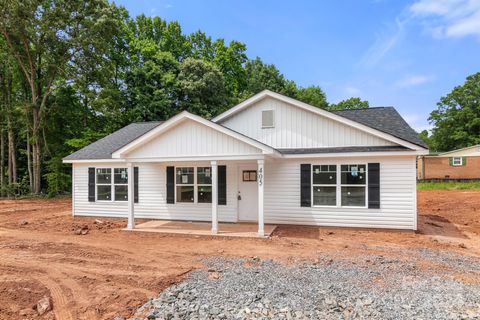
{"points": [[109, 272]]}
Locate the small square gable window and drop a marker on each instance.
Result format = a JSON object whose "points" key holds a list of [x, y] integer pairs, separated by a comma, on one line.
{"points": [[268, 119]]}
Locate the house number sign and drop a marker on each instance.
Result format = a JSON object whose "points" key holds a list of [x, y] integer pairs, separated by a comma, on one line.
{"points": [[260, 176]]}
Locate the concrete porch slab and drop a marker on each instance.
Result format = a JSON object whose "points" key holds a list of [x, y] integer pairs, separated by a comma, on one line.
{"points": [[243, 230]]}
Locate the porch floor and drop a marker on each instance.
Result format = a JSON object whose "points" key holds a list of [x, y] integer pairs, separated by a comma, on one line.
{"points": [[245, 230]]}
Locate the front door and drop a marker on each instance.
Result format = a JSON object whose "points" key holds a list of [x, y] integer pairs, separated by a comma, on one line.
{"points": [[247, 193]]}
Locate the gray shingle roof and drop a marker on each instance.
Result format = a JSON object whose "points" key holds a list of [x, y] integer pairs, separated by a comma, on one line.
{"points": [[385, 119], [103, 148], [342, 149]]}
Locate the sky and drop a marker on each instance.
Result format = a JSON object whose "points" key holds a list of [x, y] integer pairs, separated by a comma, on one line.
{"points": [[406, 54]]}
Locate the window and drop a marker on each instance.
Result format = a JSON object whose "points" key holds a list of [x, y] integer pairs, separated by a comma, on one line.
{"points": [[249, 175], [353, 185], [185, 184], [104, 184], [108, 190], [120, 179], [457, 161], [324, 182], [204, 185], [268, 118]]}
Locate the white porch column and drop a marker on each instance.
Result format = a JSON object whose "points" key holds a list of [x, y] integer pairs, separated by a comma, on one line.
{"points": [[214, 197], [131, 192], [261, 182]]}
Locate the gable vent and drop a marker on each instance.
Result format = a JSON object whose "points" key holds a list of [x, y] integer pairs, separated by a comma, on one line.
{"points": [[267, 119]]}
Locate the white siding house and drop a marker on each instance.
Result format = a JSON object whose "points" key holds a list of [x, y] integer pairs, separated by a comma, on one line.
{"points": [[270, 159]]}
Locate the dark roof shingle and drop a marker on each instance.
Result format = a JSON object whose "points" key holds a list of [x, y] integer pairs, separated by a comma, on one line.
{"points": [[385, 119], [342, 149], [103, 148]]}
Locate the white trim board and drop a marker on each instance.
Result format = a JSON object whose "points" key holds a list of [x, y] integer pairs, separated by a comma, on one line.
{"points": [[267, 93]]}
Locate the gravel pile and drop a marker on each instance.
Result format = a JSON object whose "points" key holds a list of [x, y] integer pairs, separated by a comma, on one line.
{"points": [[373, 287]]}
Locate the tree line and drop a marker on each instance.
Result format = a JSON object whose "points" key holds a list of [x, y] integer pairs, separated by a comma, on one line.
{"points": [[72, 72]]}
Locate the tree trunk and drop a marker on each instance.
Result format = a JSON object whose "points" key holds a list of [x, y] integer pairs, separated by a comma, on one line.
{"points": [[36, 150], [29, 162], [12, 155]]}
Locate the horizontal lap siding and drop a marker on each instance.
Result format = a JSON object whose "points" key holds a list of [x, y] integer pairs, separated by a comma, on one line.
{"points": [[397, 194], [152, 197]]}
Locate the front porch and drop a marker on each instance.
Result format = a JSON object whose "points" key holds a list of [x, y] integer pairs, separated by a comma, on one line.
{"points": [[242, 230]]}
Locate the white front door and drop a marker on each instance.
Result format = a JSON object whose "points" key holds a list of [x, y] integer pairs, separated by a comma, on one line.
{"points": [[247, 193]]}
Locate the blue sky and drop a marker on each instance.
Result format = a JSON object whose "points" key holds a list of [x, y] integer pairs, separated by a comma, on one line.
{"points": [[405, 54]]}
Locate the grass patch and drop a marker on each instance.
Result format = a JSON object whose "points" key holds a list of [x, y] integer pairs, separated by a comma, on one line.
{"points": [[448, 185]]}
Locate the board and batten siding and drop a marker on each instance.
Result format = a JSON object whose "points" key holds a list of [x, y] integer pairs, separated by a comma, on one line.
{"points": [[297, 128], [152, 196], [397, 196], [191, 138]]}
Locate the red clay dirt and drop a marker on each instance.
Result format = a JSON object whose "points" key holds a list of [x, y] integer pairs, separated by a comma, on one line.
{"points": [[109, 272]]}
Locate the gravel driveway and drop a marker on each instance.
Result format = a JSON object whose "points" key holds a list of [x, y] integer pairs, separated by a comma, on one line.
{"points": [[422, 284]]}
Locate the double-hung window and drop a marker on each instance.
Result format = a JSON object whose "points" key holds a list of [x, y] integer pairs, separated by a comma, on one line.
{"points": [[120, 180], [194, 184], [339, 186], [353, 185], [457, 161], [204, 185], [324, 178], [104, 184], [109, 188], [185, 184]]}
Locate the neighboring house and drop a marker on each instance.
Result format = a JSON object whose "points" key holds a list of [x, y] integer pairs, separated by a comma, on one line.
{"points": [[457, 164], [270, 159]]}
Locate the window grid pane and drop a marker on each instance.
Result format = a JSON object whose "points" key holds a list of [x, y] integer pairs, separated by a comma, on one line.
{"points": [[324, 185], [104, 192], [120, 176], [353, 174], [185, 193], [185, 175], [324, 196], [353, 196], [104, 176], [121, 193], [204, 175], [204, 194]]}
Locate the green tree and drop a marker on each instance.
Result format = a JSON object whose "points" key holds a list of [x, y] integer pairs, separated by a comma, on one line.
{"points": [[49, 39], [261, 76], [202, 88], [456, 122], [314, 96], [350, 103]]}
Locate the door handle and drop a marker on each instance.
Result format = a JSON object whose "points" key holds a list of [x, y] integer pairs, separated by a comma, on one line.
{"points": [[239, 197]]}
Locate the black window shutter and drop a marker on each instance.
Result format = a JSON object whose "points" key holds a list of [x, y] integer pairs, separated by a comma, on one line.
{"points": [[91, 184], [374, 185], [222, 185], [135, 184], [170, 184], [305, 185]]}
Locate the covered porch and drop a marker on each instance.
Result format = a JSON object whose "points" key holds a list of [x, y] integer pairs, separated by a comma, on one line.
{"points": [[245, 197], [242, 229]]}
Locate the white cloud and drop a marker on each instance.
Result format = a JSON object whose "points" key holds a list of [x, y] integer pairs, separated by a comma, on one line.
{"points": [[384, 43], [414, 80], [448, 18], [168, 6]]}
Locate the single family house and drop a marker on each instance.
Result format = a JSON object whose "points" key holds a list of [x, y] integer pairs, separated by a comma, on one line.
{"points": [[270, 159], [459, 164]]}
